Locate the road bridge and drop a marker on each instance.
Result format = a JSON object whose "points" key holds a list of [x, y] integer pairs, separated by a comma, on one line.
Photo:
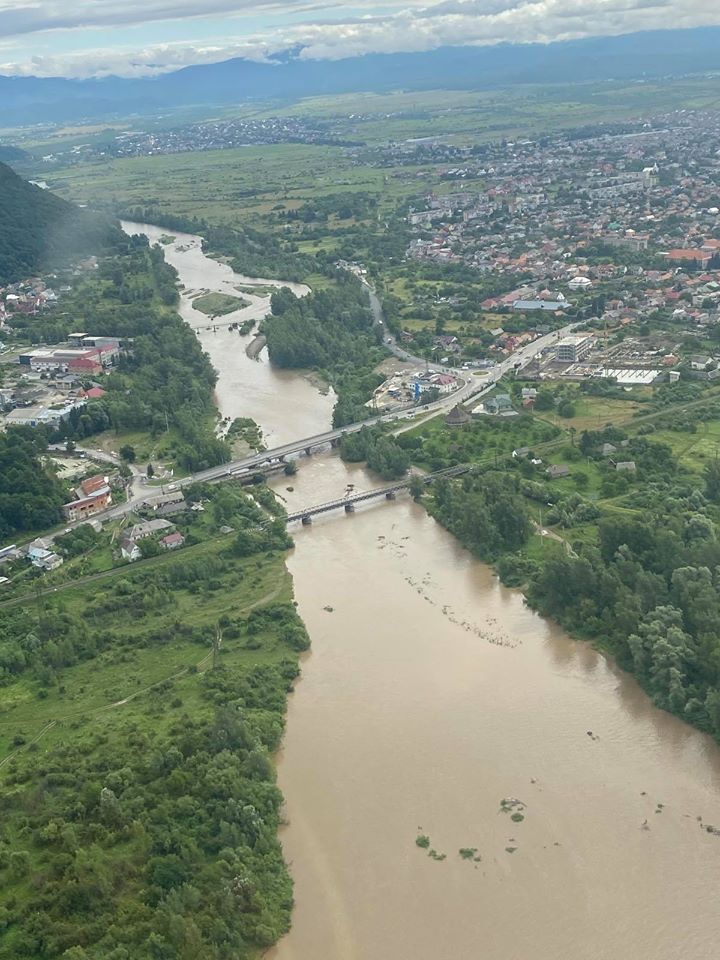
{"points": [[389, 492], [472, 387]]}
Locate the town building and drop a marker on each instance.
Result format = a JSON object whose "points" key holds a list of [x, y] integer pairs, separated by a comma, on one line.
{"points": [[573, 348], [499, 404], [93, 495], [172, 541]]}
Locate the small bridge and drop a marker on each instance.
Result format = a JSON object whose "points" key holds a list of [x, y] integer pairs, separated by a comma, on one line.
{"points": [[389, 493]]}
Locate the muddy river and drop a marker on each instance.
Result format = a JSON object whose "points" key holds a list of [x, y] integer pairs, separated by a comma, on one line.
{"points": [[286, 405], [431, 694]]}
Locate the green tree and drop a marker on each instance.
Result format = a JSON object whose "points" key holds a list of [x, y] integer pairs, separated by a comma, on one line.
{"points": [[712, 480]]}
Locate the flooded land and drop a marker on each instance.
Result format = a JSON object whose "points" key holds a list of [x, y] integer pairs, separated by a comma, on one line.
{"points": [[431, 695]]}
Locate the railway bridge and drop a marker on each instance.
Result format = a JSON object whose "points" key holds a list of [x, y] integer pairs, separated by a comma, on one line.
{"points": [[388, 492]]}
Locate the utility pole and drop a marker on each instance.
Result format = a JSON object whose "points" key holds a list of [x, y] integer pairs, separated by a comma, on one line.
{"points": [[217, 641]]}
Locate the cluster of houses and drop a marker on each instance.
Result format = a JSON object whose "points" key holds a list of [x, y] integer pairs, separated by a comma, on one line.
{"points": [[169, 537], [27, 298], [49, 381], [567, 222]]}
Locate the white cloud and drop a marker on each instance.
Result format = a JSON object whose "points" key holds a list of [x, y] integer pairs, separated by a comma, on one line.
{"points": [[410, 27]]}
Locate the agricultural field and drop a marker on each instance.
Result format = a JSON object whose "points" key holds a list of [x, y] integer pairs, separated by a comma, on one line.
{"points": [[694, 449], [434, 446], [593, 413]]}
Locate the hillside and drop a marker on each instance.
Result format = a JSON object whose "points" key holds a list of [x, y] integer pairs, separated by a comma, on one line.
{"points": [[39, 230]]}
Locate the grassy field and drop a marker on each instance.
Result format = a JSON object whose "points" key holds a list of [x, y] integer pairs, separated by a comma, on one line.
{"points": [[90, 689], [218, 304], [225, 186], [593, 413], [693, 449]]}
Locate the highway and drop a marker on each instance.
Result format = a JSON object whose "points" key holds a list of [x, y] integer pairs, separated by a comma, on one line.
{"points": [[472, 388]]}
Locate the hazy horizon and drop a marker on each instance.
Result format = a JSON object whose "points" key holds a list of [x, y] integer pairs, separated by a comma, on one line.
{"points": [[96, 38]]}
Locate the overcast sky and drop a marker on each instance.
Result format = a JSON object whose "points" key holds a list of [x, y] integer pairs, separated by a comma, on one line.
{"points": [[80, 38]]}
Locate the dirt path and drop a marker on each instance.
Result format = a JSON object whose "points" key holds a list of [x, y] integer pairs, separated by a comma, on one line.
{"points": [[201, 665]]}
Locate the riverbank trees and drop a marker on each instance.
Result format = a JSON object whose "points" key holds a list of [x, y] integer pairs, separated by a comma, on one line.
{"points": [[637, 571], [330, 331], [486, 512], [648, 592], [381, 452]]}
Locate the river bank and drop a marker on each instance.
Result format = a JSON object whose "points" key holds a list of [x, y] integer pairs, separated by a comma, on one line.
{"points": [[430, 694], [284, 403]]}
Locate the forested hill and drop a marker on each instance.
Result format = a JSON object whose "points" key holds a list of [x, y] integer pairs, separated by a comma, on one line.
{"points": [[39, 231]]}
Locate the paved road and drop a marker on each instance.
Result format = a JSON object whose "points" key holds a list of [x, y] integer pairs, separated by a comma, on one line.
{"points": [[135, 487], [472, 387], [391, 343]]}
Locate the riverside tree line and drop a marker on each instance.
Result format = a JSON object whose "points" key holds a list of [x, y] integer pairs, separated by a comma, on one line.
{"points": [[645, 584]]}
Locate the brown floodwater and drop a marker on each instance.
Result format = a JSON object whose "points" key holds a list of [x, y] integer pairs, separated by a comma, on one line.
{"points": [[285, 404], [431, 693]]}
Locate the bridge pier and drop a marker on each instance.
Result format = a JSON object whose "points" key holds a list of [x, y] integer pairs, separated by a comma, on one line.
{"points": [[306, 520], [349, 508], [308, 451], [391, 495]]}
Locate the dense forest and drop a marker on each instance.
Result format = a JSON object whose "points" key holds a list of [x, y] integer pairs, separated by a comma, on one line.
{"points": [[139, 810], [163, 378], [39, 231], [31, 496], [485, 511], [330, 331]]}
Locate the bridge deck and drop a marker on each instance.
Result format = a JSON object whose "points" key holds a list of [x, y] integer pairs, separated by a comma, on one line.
{"points": [[364, 495]]}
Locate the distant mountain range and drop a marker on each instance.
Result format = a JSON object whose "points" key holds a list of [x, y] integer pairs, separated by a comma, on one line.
{"points": [[39, 231], [650, 54]]}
